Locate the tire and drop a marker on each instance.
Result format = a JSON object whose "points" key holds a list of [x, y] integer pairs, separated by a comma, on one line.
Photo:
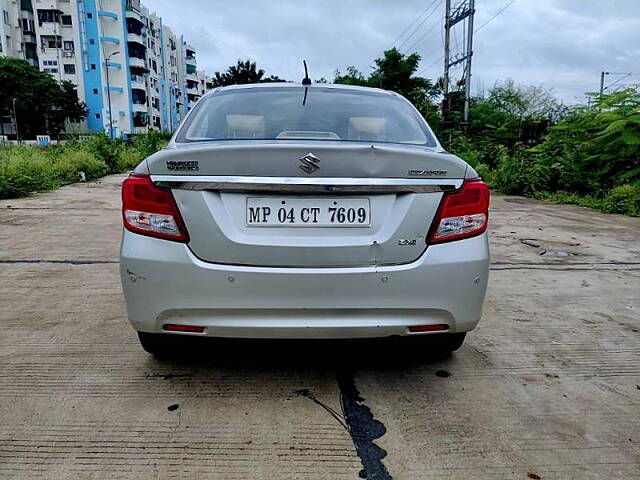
{"points": [[451, 341], [156, 344]]}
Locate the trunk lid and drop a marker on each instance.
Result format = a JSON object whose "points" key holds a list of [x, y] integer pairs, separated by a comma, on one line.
{"points": [[215, 183]]}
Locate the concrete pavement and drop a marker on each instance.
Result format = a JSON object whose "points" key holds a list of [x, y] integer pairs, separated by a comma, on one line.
{"points": [[547, 387]]}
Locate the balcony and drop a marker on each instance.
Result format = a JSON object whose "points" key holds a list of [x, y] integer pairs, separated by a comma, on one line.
{"points": [[134, 13], [49, 28], [107, 14], [135, 38], [140, 107], [137, 62], [137, 81], [29, 37], [192, 77], [193, 91], [140, 121], [50, 42], [190, 60], [113, 40]]}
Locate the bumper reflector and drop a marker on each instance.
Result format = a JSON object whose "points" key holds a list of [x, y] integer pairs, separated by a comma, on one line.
{"points": [[173, 327], [429, 328]]}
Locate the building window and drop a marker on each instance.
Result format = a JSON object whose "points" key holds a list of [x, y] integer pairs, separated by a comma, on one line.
{"points": [[69, 69], [28, 26], [93, 66], [66, 20], [48, 16], [95, 91], [89, 15], [92, 41], [68, 45], [97, 115], [5, 15], [50, 42]]}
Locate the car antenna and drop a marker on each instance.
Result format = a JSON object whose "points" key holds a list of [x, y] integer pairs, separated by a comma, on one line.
{"points": [[306, 80]]}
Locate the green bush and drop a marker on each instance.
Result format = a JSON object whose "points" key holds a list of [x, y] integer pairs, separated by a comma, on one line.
{"points": [[623, 199], [107, 150], [486, 173], [24, 170], [70, 163], [521, 173]]}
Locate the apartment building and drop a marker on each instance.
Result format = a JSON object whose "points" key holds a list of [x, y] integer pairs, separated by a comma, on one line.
{"points": [[132, 71], [18, 30]]}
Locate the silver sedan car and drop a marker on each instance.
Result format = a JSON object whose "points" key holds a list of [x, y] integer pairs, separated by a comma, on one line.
{"points": [[304, 211]]}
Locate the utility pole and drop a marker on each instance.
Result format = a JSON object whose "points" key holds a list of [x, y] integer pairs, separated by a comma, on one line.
{"points": [[469, 54], [464, 9], [15, 120], [106, 62], [447, 35], [621, 76]]}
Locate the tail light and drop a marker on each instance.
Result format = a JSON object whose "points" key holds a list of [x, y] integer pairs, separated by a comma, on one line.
{"points": [[463, 213], [150, 210]]}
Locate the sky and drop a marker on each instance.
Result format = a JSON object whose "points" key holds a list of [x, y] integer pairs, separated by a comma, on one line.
{"points": [[560, 44]]}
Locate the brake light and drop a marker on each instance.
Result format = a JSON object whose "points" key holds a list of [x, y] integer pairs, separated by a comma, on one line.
{"points": [[463, 213], [150, 210]]}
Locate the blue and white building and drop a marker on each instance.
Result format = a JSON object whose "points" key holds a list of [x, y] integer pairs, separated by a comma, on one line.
{"points": [[133, 72]]}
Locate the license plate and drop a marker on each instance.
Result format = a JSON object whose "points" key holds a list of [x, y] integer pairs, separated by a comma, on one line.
{"points": [[308, 212]]}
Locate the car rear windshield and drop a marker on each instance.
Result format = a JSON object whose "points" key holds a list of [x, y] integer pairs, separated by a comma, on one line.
{"points": [[314, 113]]}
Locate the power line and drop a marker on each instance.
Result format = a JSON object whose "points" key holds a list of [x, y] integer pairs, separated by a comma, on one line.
{"points": [[412, 23], [419, 25], [417, 42], [498, 12]]}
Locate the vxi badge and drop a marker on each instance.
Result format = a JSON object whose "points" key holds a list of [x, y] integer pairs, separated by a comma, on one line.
{"points": [[310, 163]]}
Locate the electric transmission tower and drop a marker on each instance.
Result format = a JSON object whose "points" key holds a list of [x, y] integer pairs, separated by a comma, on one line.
{"points": [[465, 9]]}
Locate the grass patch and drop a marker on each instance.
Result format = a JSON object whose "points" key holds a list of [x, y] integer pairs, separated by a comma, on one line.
{"points": [[624, 199], [25, 169]]}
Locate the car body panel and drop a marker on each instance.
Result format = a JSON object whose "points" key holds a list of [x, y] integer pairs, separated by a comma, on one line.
{"points": [[273, 158], [165, 283], [216, 219]]}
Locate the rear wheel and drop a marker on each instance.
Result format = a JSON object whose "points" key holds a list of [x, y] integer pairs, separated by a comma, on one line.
{"points": [[443, 344], [452, 341], [156, 344]]}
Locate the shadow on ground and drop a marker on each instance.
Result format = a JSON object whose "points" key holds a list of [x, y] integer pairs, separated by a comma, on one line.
{"points": [[385, 353]]}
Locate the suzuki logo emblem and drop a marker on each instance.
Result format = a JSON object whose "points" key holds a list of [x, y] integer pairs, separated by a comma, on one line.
{"points": [[310, 163]]}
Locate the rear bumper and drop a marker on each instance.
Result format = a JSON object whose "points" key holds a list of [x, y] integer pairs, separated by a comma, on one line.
{"points": [[164, 282]]}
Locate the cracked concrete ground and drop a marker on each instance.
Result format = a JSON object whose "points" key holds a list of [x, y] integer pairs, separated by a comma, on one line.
{"points": [[547, 387]]}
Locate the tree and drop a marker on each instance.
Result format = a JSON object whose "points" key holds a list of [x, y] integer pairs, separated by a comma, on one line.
{"points": [[67, 107], [510, 113], [242, 73], [395, 72], [352, 77], [42, 104]]}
